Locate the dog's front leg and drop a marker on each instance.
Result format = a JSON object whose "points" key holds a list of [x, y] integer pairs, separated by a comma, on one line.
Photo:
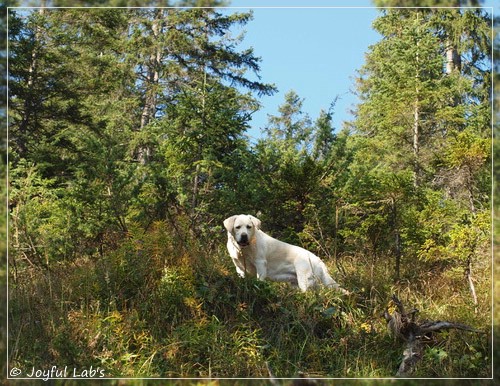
{"points": [[239, 269], [261, 268]]}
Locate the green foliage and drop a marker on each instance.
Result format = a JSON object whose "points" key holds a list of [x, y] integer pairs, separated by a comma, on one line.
{"points": [[41, 228], [466, 238]]}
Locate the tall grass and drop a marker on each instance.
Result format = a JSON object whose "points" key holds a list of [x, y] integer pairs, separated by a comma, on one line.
{"points": [[154, 309]]}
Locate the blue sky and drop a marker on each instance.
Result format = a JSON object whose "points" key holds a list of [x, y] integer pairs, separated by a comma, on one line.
{"points": [[313, 51]]}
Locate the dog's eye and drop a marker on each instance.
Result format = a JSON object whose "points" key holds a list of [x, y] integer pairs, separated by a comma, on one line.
{"points": [[238, 227], [249, 227]]}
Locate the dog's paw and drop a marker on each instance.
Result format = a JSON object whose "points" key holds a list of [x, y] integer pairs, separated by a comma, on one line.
{"points": [[344, 291]]}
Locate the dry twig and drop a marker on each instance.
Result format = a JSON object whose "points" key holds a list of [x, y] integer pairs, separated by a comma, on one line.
{"points": [[402, 324]]}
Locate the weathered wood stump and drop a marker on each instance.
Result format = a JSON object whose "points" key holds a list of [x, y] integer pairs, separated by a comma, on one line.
{"points": [[403, 325]]}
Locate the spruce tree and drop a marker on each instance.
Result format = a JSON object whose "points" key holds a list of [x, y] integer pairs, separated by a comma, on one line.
{"points": [[422, 128], [106, 103]]}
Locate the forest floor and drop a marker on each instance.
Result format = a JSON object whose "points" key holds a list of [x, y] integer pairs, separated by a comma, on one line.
{"points": [[144, 311]]}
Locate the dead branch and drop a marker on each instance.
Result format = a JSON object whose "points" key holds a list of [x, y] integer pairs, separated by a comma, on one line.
{"points": [[437, 326], [402, 324], [468, 276]]}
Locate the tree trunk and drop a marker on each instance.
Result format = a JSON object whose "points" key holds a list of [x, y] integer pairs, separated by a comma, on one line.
{"points": [[199, 155], [196, 182], [453, 59], [30, 101], [152, 79], [416, 119], [469, 181], [397, 239], [416, 144]]}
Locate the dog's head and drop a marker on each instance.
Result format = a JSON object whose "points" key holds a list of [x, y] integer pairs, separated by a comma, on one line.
{"points": [[242, 227]]}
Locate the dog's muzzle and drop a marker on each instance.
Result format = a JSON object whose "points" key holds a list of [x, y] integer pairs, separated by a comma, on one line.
{"points": [[243, 241]]}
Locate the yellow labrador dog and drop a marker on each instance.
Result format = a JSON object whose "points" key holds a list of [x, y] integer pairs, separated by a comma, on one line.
{"points": [[259, 254]]}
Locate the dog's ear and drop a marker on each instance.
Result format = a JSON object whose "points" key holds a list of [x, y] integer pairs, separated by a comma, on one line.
{"points": [[256, 222], [229, 223]]}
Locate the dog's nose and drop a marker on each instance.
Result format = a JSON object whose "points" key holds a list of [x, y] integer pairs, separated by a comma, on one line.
{"points": [[243, 238]]}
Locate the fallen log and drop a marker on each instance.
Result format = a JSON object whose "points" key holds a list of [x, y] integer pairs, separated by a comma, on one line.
{"points": [[403, 325]]}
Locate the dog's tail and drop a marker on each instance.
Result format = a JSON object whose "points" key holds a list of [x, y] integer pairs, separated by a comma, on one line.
{"points": [[328, 281]]}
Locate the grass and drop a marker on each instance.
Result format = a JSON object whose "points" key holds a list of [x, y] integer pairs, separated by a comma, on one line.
{"points": [[149, 309]]}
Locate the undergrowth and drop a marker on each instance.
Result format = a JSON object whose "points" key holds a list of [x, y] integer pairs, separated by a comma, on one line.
{"points": [[152, 308]]}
